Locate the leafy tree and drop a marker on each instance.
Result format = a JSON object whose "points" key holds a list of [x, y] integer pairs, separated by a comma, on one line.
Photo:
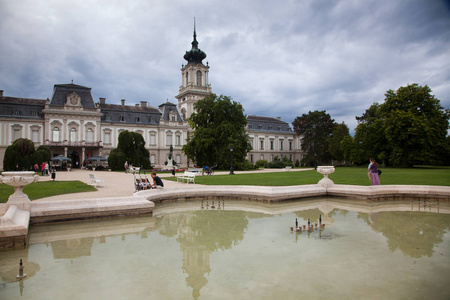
{"points": [[18, 156], [415, 125], [334, 142], [315, 128], [218, 123], [409, 128], [131, 148], [370, 140]]}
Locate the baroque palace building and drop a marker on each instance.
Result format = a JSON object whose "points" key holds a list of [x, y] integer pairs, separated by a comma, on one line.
{"points": [[70, 123]]}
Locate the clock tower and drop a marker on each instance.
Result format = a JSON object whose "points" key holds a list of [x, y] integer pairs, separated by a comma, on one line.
{"points": [[194, 80]]}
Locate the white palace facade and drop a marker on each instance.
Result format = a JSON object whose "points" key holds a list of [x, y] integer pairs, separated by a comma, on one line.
{"points": [[70, 123]]}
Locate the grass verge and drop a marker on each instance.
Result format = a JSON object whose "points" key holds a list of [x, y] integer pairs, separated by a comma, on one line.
{"points": [[344, 175], [39, 190]]}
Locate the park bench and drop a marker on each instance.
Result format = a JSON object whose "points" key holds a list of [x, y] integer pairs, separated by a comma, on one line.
{"points": [[95, 181], [287, 168], [195, 170], [187, 176], [134, 170]]}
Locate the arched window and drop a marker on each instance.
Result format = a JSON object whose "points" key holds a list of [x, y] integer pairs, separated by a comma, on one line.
{"points": [[73, 135], [90, 135], [187, 78], [199, 78], [56, 134]]}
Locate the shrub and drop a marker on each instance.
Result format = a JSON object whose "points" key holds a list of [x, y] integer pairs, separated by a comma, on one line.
{"points": [[280, 163], [246, 165], [18, 156], [262, 163]]}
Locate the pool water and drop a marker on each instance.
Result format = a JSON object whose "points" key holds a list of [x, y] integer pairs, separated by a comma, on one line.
{"points": [[244, 250]]}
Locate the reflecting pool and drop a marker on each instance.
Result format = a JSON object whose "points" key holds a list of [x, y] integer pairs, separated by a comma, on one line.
{"points": [[244, 250]]}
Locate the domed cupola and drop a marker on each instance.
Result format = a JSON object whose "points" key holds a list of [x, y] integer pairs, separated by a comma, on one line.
{"points": [[195, 55]]}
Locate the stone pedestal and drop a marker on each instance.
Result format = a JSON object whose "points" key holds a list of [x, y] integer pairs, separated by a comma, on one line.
{"points": [[325, 170], [14, 228], [18, 180]]}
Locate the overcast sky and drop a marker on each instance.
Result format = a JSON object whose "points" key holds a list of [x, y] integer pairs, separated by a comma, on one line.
{"points": [[277, 58]]}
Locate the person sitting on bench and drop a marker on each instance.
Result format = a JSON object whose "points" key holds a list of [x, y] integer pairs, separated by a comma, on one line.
{"points": [[157, 182]]}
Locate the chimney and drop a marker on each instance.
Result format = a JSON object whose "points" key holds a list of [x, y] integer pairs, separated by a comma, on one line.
{"points": [[123, 102], [278, 118], [102, 100], [143, 103], [1, 93], [137, 105]]}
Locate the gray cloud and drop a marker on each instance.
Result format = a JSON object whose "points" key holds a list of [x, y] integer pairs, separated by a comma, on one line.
{"points": [[276, 58]]}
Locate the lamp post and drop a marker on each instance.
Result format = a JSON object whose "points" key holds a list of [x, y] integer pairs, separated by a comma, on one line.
{"points": [[231, 160]]}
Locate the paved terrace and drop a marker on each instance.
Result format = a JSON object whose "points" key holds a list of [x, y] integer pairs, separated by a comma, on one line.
{"points": [[121, 184]]}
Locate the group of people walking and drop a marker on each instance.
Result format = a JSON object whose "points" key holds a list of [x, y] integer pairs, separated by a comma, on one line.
{"points": [[44, 168]]}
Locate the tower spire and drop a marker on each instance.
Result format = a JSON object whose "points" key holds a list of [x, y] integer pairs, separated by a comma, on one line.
{"points": [[194, 42], [195, 55]]}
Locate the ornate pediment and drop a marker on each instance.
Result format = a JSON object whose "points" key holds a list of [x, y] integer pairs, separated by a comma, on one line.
{"points": [[73, 99]]}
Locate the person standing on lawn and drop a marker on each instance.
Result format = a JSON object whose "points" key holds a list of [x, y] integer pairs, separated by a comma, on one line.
{"points": [[373, 172]]}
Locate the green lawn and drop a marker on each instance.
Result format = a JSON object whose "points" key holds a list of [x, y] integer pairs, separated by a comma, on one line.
{"points": [[349, 175], [39, 190]]}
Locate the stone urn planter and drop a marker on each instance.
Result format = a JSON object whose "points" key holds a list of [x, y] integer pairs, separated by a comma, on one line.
{"points": [[325, 171], [18, 180]]}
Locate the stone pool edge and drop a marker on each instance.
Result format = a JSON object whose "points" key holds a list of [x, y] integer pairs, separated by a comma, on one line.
{"points": [[143, 202], [276, 194]]}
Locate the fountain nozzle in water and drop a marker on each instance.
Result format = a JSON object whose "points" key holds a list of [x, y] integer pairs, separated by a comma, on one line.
{"points": [[21, 274]]}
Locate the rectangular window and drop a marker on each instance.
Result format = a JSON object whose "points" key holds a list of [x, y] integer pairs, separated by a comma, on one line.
{"points": [[152, 158], [35, 136], [178, 140], [178, 160], [290, 145], [251, 143], [16, 134], [152, 139], [169, 140], [107, 138], [73, 135], [271, 157], [261, 157], [55, 134], [251, 157], [271, 144], [261, 145], [90, 136], [281, 145]]}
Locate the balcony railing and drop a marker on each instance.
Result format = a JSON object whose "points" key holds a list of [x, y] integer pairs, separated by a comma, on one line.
{"points": [[74, 144]]}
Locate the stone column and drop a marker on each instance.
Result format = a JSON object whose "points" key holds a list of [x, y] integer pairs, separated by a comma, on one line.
{"points": [[64, 130], [82, 130], [83, 155]]}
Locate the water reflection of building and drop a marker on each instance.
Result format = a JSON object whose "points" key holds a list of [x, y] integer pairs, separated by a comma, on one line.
{"points": [[200, 233], [195, 260], [70, 249]]}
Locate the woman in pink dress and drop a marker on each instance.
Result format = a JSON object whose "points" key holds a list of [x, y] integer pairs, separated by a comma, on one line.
{"points": [[373, 171]]}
